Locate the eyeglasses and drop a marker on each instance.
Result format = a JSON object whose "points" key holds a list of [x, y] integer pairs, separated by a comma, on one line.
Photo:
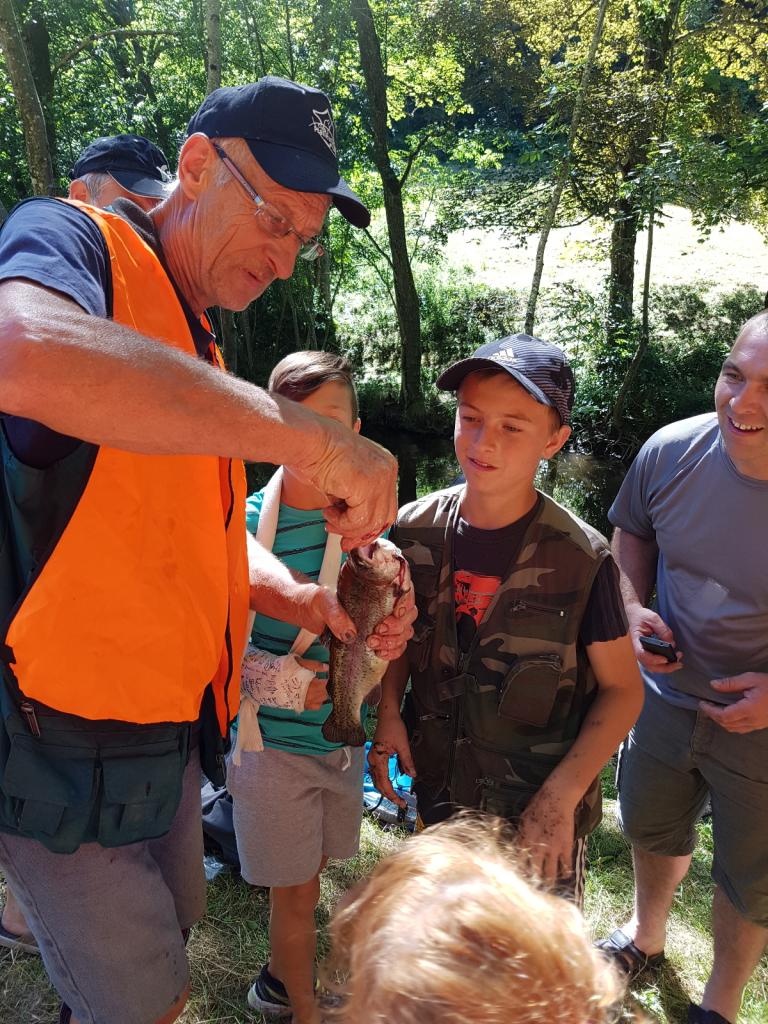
{"points": [[273, 222]]}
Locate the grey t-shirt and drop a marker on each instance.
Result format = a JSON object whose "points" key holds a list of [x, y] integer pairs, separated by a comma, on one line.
{"points": [[709, 522]]}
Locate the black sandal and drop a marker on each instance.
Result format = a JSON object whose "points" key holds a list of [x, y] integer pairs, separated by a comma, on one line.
{"points": [[630, 960], [698, 1015]]}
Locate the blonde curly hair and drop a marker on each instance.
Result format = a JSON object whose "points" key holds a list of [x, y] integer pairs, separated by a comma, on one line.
{"points": [[448, 930]]}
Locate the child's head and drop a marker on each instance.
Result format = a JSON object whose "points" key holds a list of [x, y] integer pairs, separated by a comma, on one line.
{"points": [[320, 380], [514, 403], [448, 931]]}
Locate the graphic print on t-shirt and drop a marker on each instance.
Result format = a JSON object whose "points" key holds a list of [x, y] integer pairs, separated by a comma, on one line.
{"points": [[473, 592]]}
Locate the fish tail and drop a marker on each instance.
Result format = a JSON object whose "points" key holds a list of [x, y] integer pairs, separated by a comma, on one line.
{"points": [[351, 734]]}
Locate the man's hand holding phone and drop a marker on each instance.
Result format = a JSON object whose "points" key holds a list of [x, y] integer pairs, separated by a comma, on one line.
{"points": [[653, 641]]}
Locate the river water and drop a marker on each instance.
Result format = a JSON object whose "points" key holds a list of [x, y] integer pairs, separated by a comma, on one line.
{"points": [[581, 482]]}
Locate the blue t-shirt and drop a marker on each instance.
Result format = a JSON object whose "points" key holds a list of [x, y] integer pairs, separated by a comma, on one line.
{"points": [[300, 544], [56, 245], [708, 521]]}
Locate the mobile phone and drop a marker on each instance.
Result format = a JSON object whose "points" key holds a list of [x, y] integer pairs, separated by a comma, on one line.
{"points": [[655, 645]]}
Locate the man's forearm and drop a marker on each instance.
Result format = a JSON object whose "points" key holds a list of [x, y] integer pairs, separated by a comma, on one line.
{"points": [[275, 590], [636, 558], [97, 380]]}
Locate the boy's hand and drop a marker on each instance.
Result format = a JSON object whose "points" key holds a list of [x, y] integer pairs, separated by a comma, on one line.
{"points": [[391, 737], [646, 622], [391, 636], [545, 834], [317, 691]]}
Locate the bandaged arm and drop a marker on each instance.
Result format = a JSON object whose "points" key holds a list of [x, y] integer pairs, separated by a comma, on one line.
{"points": [[278, 681]]}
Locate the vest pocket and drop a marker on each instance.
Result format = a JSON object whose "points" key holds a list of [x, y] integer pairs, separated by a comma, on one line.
{"points": [[505, 800], [52, 789], [141, 797], [529, 689]]}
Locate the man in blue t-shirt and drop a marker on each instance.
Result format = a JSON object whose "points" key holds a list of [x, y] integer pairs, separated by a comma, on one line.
{"points": [[690, 521]]}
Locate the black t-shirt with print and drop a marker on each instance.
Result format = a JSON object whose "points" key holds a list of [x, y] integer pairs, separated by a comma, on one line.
{"points": [[482, 557]]}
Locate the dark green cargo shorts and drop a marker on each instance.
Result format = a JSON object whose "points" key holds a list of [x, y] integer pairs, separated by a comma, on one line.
{"points": [[672, 761]]}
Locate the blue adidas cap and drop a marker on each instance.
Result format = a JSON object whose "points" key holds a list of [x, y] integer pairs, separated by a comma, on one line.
{"points": [[538, 366], [290, 131]]}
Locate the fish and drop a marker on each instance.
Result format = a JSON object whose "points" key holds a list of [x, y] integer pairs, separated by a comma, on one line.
{"points": [[370, 582]]}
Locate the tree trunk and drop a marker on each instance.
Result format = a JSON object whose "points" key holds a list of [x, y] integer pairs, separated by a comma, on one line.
{"points": [[27, 100], [406, 296], [658, 40], [660, 58], [37, 43], [562, 175], [213, 44], [621, 282]]}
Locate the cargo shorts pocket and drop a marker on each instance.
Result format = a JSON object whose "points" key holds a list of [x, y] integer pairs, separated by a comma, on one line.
{"points": [[53, 789], [529, 689], [141, 797]]}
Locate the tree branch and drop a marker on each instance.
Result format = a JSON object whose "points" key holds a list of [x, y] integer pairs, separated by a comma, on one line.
{"points": [[412, 156], [378, 248], [116, 33]]}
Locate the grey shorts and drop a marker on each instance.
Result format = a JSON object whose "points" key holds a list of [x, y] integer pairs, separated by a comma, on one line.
{"points": [[291, 810], [108, 921], [673, 759]]}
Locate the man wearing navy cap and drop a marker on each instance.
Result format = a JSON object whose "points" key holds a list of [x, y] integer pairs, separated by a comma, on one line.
{"points": [[124, 586], [121, 167]]}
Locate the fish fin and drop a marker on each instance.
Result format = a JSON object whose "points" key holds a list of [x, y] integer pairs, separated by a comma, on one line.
{"points": [[373, 698], [350, 734]]}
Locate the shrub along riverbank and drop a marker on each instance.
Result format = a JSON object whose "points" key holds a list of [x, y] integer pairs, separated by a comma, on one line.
{"points": [[690, 331]]}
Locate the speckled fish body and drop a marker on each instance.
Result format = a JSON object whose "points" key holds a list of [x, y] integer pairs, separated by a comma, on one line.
{"points": [[370, 582]]}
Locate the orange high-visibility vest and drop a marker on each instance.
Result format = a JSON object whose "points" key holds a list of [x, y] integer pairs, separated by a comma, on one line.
{"points": [[143, 601]]}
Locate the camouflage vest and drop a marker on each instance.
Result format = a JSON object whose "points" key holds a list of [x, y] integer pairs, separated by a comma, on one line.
{"points": [[491, 723]]}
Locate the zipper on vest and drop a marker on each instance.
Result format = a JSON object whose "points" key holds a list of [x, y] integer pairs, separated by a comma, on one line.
{"points": [[30, 716], [535, 606]]}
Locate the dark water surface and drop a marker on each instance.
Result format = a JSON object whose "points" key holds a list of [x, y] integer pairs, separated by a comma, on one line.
{"points": [[582, 483]]}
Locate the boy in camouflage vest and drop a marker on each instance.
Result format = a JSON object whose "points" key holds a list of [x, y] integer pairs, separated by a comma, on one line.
{"points": [[523, 678]]}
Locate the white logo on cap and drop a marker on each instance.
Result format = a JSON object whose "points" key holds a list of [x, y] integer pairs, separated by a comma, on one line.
{"points": [[322, 122], [506, 355]]}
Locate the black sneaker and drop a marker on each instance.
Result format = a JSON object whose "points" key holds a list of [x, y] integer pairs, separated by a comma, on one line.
{"points": [[268, 995]]}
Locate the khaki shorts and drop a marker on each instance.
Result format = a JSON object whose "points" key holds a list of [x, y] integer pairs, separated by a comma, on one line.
{"points": [[291, 810], [109, 921], [673, 759]]}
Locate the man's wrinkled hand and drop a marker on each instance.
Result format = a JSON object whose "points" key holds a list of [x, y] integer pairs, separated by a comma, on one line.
{"points": [[748, 713], [646, 622], [318, 608], [361, 479], [391, 737], [546, 836], [392, 634]]}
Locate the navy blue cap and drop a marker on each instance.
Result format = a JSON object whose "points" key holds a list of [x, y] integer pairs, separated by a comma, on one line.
{"points": [[133, 161], [290, 131], [540, 367]]}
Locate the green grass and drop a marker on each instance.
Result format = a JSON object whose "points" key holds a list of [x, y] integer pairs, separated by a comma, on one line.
{"points": [[227, 948]]}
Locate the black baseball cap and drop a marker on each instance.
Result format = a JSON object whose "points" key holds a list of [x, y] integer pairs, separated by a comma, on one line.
{"points": [[289, 129], [133, 161], [540, 367]]}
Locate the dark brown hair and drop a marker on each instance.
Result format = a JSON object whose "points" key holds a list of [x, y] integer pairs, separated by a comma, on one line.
{"points": [[300, 374]]}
